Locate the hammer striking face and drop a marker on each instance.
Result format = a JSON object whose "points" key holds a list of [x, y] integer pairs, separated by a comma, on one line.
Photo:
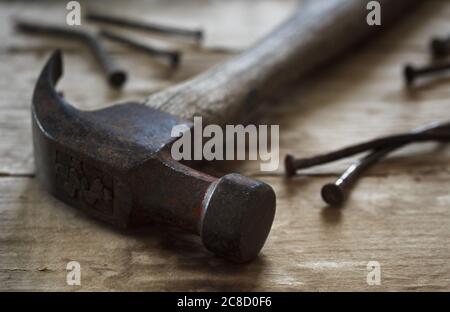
{"points": [[115, 164]]}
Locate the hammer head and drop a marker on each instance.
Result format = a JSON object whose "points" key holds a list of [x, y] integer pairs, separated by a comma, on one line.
{"points": [[115, 164]]}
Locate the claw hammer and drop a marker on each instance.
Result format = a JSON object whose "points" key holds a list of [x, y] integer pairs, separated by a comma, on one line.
{"points": [[115, 163]]}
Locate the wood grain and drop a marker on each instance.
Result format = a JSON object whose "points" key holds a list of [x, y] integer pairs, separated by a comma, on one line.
{"points": [[398, 215], [311, 247]]}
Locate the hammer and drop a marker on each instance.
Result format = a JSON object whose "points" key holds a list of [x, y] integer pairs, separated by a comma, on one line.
{"points": [[115, 163]]}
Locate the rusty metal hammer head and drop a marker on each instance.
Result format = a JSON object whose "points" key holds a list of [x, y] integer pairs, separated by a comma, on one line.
{"points": [[115, 164]]}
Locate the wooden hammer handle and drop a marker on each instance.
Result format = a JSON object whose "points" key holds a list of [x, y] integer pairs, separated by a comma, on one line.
{"points": [[317, 33]]}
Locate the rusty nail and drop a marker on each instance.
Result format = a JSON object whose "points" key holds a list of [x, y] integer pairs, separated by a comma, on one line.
{"points": [[116, 76], [410, 72], [292, 164], [334, 194], [172, 55], [196, 34]]}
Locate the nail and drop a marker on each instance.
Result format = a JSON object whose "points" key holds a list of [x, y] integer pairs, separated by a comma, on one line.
{"points": [[293, 164], [410, 73], [171, 55], [335, 194], [440, 47], [116, 76], [195, 34]]}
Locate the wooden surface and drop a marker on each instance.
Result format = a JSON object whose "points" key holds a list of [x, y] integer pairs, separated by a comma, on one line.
{"points": [[398, 215]]}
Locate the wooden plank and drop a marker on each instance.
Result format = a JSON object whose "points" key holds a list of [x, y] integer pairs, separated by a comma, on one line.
{"points": [[310, 247]]}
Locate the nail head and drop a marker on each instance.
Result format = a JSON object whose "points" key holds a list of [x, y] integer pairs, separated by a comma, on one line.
{"points": [[332, 194], [289, 165], [118, 79], [409, 74]]}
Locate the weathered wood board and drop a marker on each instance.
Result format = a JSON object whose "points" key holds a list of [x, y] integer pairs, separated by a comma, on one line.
{"points": [[398, 215]]}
